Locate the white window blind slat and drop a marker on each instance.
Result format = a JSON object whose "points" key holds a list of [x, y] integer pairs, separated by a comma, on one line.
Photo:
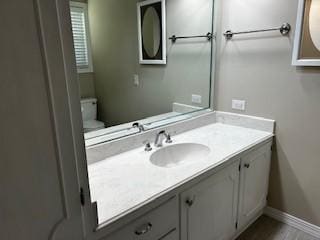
{"points": [[80, 36]]}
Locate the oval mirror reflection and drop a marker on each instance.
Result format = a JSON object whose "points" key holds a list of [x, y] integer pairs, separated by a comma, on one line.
{"points": [[314, 23], [151, 32]]}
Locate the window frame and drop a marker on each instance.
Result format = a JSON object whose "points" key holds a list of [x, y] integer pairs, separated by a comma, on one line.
{"points": [[84, 7]]}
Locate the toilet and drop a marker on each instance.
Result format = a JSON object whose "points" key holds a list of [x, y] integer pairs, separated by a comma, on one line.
{"points": [[89, 115]]}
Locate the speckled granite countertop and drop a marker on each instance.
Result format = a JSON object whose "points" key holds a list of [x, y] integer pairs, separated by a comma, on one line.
{"points": [[128, 180]]}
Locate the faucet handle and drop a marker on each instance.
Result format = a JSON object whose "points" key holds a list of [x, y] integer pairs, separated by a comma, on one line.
{"points": [[148, 147], [168, 140]]}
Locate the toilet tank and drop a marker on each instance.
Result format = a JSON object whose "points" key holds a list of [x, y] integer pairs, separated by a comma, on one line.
{"points": [[89, 109]]}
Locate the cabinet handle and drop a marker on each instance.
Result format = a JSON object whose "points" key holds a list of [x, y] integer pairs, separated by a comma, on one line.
{"points": [[189, 202], [247, 165], [143, 229]]}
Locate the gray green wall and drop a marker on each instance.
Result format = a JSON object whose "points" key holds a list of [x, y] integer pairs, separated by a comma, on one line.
{"points": [[86, 83], [113, 26], [257, 68]]}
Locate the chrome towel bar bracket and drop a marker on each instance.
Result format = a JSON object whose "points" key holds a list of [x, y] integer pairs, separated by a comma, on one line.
{"points": [[174, 38], [284, 30]]}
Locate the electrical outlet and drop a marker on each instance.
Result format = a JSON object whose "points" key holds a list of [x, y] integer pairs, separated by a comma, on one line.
{"points": [[239, 105], [136, 80], [196, 99]]}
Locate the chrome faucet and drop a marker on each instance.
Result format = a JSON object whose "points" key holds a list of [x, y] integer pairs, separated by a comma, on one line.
{"points": [[139, 126], [160, 137]]}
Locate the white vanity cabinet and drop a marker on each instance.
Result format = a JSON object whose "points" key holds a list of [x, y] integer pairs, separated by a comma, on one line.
{"points": [[223, 205], [209, 209], [219, 206], [254, 179]]}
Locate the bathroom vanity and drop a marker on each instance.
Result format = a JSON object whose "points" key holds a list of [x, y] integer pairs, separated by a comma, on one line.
{"points": [[170, 167], [211, 181]]}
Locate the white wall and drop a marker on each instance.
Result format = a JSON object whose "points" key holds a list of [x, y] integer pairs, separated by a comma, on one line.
{"points": [[257, 68]]}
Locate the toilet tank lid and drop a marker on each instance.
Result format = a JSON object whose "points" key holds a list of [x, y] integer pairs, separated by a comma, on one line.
{"points": [[88, 100]]}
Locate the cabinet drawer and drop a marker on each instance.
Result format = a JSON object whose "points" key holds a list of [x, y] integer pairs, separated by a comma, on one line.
{"points": [[173, 235], [157, 224]]}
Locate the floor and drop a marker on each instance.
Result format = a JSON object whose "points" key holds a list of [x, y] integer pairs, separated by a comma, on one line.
{"points": [[266, 228]]}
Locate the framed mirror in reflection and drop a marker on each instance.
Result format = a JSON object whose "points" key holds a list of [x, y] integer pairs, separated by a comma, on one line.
{"points": [[116, 89], [152, 31]]}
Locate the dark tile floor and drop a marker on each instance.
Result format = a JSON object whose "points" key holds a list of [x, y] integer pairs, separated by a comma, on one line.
{"points": [[266, 228]]}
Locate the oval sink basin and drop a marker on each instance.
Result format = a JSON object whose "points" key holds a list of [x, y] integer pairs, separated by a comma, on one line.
{"points": [[178, 154]]}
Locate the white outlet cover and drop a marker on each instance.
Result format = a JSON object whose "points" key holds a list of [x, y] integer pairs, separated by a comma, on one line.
{"points": [[196, 99], [239, 104]]}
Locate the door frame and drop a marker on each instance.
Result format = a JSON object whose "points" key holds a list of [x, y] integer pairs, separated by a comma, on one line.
{"points": [[56, 41]]}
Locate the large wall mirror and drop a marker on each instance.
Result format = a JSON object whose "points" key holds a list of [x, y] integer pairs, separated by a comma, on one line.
{"points": [[117, 89]]}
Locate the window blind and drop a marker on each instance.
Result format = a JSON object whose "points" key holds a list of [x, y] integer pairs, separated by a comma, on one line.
{"points": [[80, 38]]}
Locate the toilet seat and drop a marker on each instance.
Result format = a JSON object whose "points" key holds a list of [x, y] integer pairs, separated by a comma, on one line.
{"points": [[92, 125]]}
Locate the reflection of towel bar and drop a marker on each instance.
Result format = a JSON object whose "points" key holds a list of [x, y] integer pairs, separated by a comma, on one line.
{"points": [[284, 30], [174, 38]]}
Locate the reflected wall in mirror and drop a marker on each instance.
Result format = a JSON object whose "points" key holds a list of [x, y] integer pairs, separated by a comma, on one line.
{"points": [[117, 90], [152, 31]]}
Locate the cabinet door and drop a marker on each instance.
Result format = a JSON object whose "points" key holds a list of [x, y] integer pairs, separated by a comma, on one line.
{"points": [[209, 209], [254, 183]]}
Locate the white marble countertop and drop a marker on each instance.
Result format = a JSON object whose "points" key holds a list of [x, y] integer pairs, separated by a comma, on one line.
{"points": [[121, 183]]}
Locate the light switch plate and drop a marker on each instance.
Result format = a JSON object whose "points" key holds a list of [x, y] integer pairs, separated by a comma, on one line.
{"points": [[239, 104], [136, 81], [196, 99]]}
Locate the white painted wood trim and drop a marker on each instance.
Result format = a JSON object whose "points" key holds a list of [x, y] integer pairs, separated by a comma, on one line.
{"points": [[74, 112], [55, 39], [293, 221]]}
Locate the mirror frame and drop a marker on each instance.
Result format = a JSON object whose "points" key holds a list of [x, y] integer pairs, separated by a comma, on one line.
{"points": [[296, 59], [163, 31]]}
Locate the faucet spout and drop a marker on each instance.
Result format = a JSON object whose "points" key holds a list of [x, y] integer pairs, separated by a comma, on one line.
{"points": [[139, 126], [160, 137]]}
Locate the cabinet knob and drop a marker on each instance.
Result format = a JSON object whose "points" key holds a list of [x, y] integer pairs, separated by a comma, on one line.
{"points": [[247, 165], [143, 229], [189, 202]]}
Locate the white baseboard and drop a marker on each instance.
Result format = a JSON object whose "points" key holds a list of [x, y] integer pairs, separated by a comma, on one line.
{"points": [[293, 221]]}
